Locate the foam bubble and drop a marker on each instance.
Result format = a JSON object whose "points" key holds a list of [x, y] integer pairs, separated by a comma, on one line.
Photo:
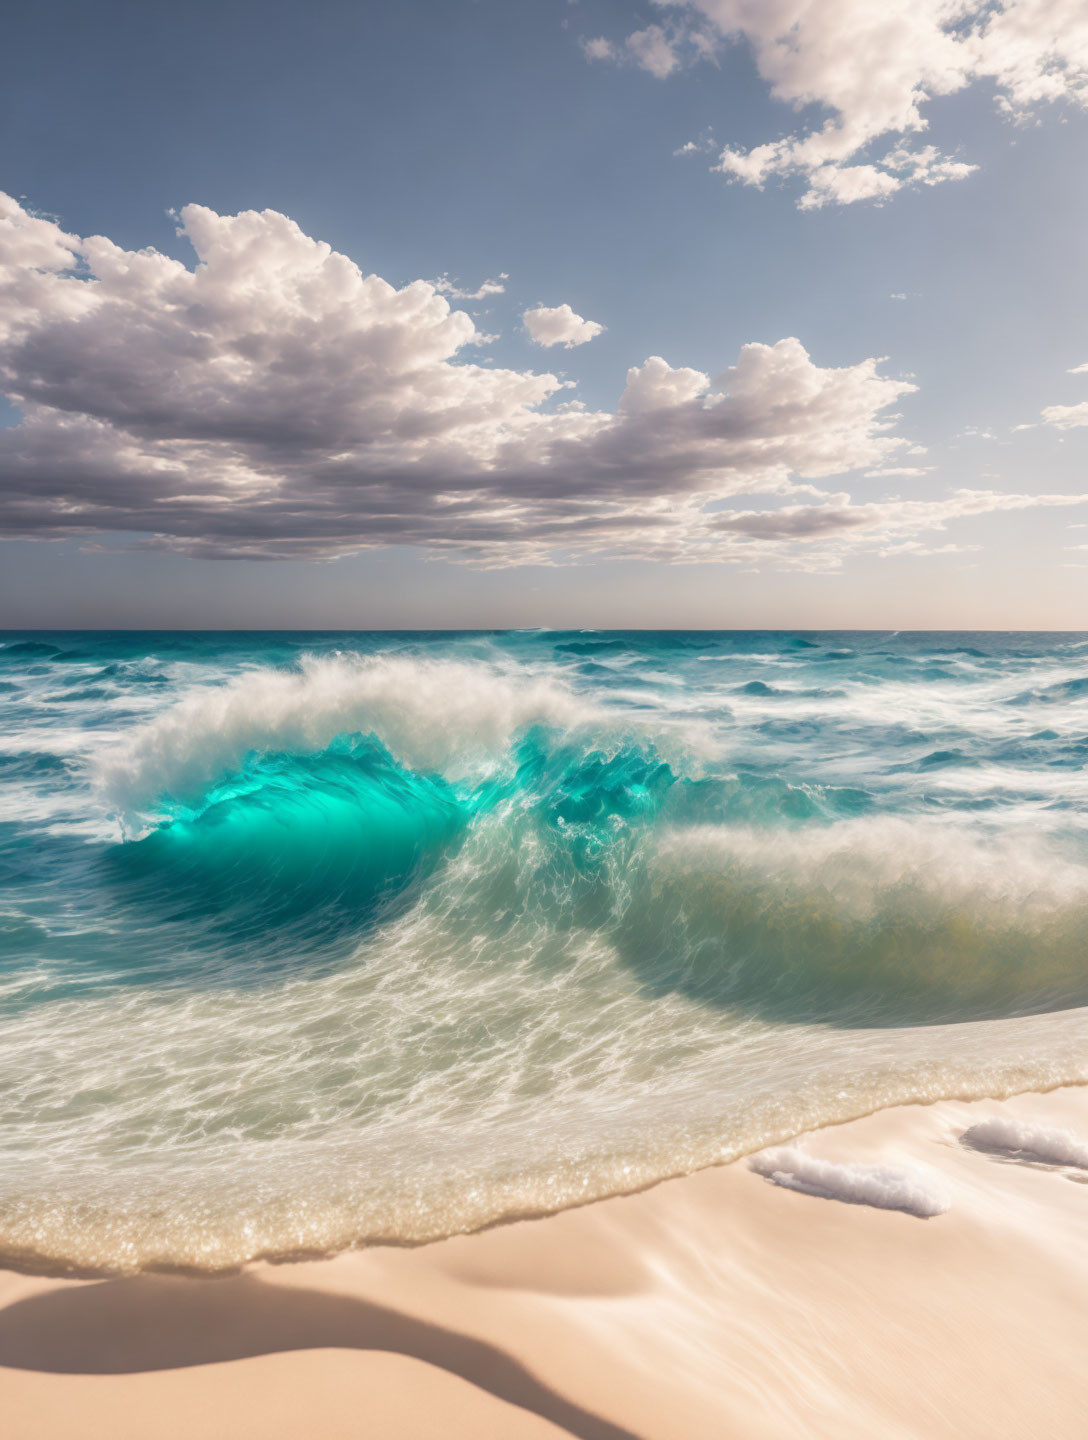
{"points": [[914, 1191], [1028, 1142]]}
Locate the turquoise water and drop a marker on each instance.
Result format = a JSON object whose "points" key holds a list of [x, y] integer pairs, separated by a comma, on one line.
{"points": [[316, 940]]}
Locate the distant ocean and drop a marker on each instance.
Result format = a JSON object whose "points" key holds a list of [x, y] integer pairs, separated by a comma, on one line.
{"points": [[317, 940]]}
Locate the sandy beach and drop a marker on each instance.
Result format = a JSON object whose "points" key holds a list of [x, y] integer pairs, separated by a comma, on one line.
{"points": [[718, 1304]]}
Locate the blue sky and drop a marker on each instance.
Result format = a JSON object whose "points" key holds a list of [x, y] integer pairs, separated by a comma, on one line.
{"points": [[473, 141]]}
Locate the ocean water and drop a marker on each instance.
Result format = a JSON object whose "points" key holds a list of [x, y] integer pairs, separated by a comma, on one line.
{"points": [[317, 940]]}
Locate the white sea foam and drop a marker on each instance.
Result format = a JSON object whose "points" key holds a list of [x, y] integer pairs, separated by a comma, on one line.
{"points": [[1028, 1142], [450, 716], [915, 1191], [431, 714], [859, 861]]}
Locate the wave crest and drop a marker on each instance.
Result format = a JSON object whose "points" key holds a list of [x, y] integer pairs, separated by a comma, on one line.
{"points": [[875, 920], [331, 843], [442, 716]]}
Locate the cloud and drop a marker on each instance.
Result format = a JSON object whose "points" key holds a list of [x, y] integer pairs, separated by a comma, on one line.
{"points": [[1064, 417], [445, 286], [869, 70], [653, 50], [598, 49], [559, 325], [890, 470], [276, 401], [889, 526]]}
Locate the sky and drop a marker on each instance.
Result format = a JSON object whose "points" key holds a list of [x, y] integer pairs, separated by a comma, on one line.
{"points": [[722, 313]]}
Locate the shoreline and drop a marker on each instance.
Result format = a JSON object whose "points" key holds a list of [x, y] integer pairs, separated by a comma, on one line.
{"points": [[713, 1303], [48, 1267]]}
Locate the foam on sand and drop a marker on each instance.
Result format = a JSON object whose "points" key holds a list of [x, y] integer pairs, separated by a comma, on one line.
{"points": [[886, 1187], [1004, 1136]]}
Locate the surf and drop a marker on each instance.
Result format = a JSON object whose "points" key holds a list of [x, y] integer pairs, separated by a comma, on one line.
{"points": [[378, 939]]}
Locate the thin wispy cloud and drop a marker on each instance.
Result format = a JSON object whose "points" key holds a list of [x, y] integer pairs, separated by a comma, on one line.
{"points": [[1067, 417], [445, 286]]}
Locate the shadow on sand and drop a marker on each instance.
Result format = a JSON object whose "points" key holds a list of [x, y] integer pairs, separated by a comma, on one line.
{"points": [[121, 1327]]}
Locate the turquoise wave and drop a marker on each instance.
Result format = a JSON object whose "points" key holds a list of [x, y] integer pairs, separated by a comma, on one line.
{"points": [[798, 903], [344, 838]]}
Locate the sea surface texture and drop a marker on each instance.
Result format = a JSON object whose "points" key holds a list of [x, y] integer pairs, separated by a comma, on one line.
{"points": [[318, 940]]}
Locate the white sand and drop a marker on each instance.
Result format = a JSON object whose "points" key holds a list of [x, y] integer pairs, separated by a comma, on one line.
{"points": [[719, 1305]]}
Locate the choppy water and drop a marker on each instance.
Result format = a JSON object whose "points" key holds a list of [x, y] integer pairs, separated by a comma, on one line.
{"points": [[313, 940]]}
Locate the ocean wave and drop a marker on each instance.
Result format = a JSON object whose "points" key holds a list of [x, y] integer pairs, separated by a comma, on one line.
{"points": [[28, 649], [333, 842], [737, 890], [1057, 692], [458, 719], [874, 920], [443, 716], [413, 934]]}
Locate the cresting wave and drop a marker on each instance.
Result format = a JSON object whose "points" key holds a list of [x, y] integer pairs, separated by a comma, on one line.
{"points": [[339, 781], [872, 919], [431, 715], [411, 940]]}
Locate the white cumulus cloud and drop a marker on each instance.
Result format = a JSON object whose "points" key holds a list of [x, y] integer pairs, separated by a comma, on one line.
{"points": [[559, 325], [1066, 417], [870, 70], [274, 400]]}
